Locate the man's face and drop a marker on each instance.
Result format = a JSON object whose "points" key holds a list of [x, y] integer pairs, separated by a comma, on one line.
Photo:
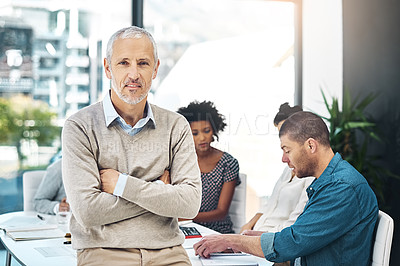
{"points": [[132, 69], [297, 157]]}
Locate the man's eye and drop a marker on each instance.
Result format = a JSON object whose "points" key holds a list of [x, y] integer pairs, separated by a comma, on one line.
{"points": [[195, 133], [123, 63], [143, 63]]}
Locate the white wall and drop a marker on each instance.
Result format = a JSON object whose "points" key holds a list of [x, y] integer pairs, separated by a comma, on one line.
{"points": [[322, 53]]}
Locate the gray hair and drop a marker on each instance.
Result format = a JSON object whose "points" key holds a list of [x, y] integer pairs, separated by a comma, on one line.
{"points": [[130, 32]]}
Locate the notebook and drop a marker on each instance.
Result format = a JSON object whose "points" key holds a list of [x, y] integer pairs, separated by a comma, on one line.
{"points": [[36, 234]]}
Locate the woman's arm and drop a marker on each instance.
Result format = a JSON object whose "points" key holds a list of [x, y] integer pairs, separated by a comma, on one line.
{"points": [[225, 199], [251, 223]]}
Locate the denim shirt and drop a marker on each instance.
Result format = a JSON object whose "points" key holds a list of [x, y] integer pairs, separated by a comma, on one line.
{"points": [[336, 226]]}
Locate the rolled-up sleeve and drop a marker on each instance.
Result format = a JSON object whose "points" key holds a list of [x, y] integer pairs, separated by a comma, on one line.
{"points": [[267, 244]]}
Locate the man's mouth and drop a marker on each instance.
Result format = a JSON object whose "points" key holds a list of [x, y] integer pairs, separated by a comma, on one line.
{"points": [[134, 85]]}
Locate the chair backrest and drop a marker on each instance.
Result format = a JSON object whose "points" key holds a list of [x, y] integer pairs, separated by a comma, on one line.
{"points": [[383, 240], [237, 210], [30, 183]]}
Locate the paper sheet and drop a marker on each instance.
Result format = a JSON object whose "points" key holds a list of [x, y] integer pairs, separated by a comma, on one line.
{"points": [[229, 260], [57, 251], [25, 223], [36, 234]]}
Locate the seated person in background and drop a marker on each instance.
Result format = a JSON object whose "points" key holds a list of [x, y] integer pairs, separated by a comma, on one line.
{"points": [[50, 196], [337, 224], [219, 170], [289, 196]]}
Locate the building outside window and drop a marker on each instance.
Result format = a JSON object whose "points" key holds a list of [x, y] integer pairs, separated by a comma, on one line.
{"points": [[236, 53]]}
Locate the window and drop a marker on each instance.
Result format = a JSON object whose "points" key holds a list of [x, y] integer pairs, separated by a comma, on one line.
{"points": [[52, 51], [238, 54]]}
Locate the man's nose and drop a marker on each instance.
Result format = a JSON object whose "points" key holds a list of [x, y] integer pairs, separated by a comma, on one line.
{"points": [[285, 159], [133, 72]]}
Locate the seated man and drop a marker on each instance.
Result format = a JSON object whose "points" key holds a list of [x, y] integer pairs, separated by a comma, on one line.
{"points": [[337, 224], [50, 196], [289, 196]]}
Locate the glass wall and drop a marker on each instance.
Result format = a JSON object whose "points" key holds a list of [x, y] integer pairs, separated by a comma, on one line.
{"points": [[52, 52], [238, 54]]}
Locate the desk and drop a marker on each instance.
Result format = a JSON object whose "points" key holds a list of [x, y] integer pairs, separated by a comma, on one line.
{"points": [[26, 253]]}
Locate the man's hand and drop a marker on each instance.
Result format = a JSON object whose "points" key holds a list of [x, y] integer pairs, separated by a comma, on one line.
{"points": [[210, 244], [165, 177], [109, 178], [64, 206]]}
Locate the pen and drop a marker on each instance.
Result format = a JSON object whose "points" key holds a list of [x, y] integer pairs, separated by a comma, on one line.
{"points": [[40, 217], [67, 242]]}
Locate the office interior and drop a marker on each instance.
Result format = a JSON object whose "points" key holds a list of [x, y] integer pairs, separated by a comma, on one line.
{"points": [[337, 46]]}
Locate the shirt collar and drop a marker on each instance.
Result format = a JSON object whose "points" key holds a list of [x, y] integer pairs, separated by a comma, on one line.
{"points": [[332, 164], [111, 114], [324, 178]]}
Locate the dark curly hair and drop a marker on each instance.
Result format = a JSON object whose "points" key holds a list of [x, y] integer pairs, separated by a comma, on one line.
{"points": [[285, 111], [204, 111]]}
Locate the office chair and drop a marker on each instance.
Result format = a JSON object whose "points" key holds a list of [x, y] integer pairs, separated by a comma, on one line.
{"points": [[383, 240], [237, 210], [30, 183]]}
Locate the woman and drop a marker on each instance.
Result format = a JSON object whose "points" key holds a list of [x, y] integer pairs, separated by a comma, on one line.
{"points": [[289, 196], [219, 170]]}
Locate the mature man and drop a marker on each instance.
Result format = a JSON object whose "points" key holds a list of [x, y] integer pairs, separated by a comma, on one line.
{"points": [[337, 224], [114, 151]]}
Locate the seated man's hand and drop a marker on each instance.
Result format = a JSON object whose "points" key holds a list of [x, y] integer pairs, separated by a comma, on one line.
{"points": [[252, 233], [210, 244], [166, 178], [109, 178], [64, 206]]}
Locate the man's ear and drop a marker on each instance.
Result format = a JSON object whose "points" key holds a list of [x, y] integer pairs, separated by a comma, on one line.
{"points": [[312, 145], [107, 69], [156, 69]]}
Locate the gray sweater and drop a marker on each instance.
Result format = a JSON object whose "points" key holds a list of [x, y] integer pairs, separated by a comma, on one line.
{"points": [[145, 216], [51, 189]]}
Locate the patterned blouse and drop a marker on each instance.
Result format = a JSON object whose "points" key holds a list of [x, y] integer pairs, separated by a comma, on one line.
{"points": [[226, 170]]}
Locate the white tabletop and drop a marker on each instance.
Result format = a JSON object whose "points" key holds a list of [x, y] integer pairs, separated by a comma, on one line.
{"points": [[31, 252], [26, 252]]}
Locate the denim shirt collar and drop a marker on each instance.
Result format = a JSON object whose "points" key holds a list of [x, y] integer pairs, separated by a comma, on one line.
{"points": [[324, 178], [111, 114]]}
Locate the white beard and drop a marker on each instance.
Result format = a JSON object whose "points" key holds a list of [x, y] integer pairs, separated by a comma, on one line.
{"points": [[125, 98]]}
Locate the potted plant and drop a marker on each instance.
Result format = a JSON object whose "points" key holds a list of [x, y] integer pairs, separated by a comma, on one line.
{"points": [[352, 131]]}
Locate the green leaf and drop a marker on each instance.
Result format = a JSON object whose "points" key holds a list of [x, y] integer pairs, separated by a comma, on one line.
{"points": [[351, 134]]}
